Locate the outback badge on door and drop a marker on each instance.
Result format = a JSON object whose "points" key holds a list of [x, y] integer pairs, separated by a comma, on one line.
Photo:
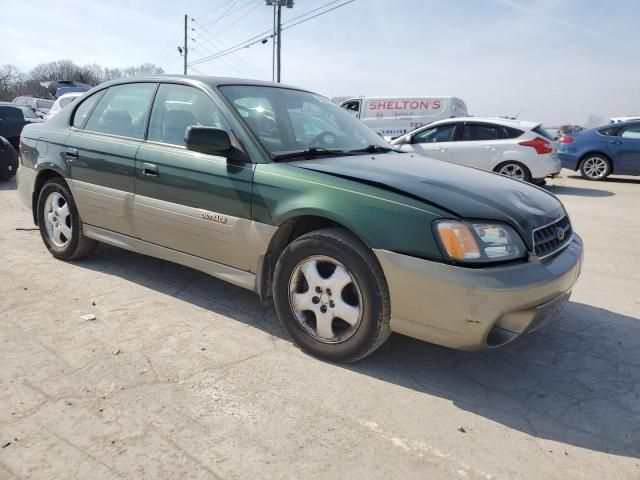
{"points": [[214, 217]]}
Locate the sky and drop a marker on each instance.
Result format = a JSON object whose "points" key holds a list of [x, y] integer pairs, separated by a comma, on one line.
{"points": [[554, 61]]}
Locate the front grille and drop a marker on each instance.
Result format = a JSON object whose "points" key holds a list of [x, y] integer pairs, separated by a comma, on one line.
{"points": [[553, 237]]}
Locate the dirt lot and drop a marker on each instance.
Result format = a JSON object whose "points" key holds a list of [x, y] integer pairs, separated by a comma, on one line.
{"points": [[183, 376]]}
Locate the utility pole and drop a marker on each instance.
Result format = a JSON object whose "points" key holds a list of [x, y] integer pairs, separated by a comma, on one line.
{"points": [[278, 4], [185, 44]]}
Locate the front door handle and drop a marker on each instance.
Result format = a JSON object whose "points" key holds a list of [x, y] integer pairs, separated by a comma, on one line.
{"points": [[617, 142], [490, 147], [71, 153], [149, 169]]}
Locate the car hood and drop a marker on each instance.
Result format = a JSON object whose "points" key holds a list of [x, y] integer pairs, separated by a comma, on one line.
{"points": [[464, 192]]}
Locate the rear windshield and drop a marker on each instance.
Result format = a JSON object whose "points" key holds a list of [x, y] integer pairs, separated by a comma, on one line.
{"points": [[42, 103], [543, 133]]}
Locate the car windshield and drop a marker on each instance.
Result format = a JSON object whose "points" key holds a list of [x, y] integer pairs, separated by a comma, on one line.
{"points": [[287, 121], [28, 113]]}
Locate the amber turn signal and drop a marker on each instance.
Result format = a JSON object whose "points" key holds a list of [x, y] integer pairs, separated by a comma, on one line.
{"points": [[458, 240]]}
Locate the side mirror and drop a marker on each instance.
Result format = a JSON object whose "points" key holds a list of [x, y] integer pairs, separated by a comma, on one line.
{"points": [[210, 140]]}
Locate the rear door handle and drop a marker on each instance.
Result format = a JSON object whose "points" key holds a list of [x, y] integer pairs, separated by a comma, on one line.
{"points": [[617, 142], [149, 169], [71, 153], [490, 147]]}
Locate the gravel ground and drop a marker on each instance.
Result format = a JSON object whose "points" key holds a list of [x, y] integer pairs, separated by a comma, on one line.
{"points": [[183, 376]]}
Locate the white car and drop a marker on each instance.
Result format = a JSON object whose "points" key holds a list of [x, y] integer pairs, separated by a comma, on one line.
{"points": [[61, 102], [518, 149], [623, 119]]}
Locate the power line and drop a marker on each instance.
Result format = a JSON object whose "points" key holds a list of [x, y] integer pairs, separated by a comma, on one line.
{"points": [[160, 59], [262, 38], [219, 7], [229, 13]]}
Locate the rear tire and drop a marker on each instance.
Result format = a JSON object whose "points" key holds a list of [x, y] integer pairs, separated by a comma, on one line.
{"points": [[514, 170], [60, 224], [331, 296], [595, 167]]}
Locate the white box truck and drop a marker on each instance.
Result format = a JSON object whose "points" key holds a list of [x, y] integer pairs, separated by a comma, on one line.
{"points": [[395, 116]]}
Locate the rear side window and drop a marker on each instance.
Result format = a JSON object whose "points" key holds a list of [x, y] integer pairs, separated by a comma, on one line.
{"points": [[122, 110], [508, 132], [609, 131], [476, 132], [632, 131], [177, 107], [84, 109], [441, 133]]}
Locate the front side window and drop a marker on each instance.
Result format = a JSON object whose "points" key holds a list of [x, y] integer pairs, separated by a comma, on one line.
{"points": [[84, 109], [353, 107], [177, 107], [476, 132], [122, 110], [442, 133], [288, 121], [632, 131]]}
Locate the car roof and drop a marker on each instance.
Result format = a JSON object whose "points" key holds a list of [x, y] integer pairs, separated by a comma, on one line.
{"points": [[211, 81], [507, 122]]}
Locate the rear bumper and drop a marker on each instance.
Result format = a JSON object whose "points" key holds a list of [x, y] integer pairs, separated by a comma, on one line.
{"points": [[569, 160], [544, 166], [471, 309], [26, 179]]}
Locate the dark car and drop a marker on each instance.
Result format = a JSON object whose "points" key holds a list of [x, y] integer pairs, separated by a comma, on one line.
{"points": [[602, 151], [278, 190], [39, 106], [8, 159], [13, 118]]}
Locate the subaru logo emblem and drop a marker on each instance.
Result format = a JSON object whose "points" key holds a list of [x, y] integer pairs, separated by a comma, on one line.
{"points": [[560, 234]]}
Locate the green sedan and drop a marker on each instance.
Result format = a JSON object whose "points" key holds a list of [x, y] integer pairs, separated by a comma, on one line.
{"points": [[279, 191]]}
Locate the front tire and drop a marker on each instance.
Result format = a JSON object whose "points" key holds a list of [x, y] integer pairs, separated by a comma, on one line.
{"points": [[60, 224], [331, 295], [595, 167]]}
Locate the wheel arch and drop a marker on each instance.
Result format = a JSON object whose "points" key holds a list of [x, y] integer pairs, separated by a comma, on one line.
{"points": [[41, 178], [596, 152], [288, 231]]}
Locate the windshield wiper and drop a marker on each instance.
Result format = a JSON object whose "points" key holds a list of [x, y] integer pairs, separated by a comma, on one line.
{"points": [[374, 149], [312, 152]]}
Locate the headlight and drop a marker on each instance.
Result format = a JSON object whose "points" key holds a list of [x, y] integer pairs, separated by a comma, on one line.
{"points": [[479, 242]]}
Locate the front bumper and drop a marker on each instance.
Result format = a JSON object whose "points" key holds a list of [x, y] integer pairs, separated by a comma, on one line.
{"points": [[474, 308]]}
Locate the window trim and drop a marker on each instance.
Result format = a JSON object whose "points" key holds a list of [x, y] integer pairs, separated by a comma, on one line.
{"points": [[72, 117], [113, 135]]}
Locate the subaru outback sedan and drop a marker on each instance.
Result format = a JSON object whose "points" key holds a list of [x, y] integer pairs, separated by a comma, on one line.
{"points": [[279, 191]]}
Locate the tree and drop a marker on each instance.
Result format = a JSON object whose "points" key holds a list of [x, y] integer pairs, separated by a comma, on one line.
{"points": [[14, 83]]}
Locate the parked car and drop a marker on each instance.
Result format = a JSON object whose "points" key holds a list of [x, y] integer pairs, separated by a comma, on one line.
{"points": [[602, 151], [515, 148], [352, 239], [57, 88], [8, 159], [391, 117], [12, 119], [624, 119], [62, 102], [39, 106]]}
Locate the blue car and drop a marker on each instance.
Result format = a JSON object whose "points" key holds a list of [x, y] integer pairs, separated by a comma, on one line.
{"points": [[599, 152]]}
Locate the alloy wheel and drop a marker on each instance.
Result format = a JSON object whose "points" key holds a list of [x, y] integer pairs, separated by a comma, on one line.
{"points": [[57, 219], [325, 299], [595, 167], [512, 170]]}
